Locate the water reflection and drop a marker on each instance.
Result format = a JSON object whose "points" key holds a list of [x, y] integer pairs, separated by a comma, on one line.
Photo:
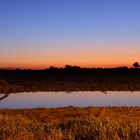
{"points": [[62, 99]]}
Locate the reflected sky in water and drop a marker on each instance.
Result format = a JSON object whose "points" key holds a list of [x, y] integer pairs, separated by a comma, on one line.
{"points": [[62, 99]]}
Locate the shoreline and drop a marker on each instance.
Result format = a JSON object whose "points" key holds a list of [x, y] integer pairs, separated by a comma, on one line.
{"points": [[20, 89], [70, 79]]}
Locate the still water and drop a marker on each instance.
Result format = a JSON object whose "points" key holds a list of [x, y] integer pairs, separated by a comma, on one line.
{"points": [[63, 99]]}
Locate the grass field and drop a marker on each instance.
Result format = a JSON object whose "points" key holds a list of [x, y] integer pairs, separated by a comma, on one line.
{"points": [[71, 123]]}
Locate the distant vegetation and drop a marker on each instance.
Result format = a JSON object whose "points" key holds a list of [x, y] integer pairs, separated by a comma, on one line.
{"points": [[71, 78], [136, 65]]}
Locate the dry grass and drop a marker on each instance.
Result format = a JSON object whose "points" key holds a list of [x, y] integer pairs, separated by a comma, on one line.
{"points": [[71, 123]]}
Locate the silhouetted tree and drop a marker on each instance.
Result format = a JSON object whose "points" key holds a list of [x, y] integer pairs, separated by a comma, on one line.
{"points": [[52, 67], [68, 67], [136, 65]]}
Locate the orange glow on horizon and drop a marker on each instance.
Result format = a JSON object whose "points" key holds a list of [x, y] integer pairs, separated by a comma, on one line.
{"points": [[43, 55], [60, 66]]}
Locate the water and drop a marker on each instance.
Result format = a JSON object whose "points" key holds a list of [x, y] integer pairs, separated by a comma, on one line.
{"points": [[63, 99]]}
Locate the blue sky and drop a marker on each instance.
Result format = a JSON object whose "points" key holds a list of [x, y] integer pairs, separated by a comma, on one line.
{"points": [[67, 21]]}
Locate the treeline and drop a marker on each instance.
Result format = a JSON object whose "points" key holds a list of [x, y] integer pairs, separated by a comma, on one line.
{"points": [[70, 78], [69, 68]]}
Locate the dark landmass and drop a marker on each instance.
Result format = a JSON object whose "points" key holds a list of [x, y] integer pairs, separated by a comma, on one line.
{"points": [[71, 123], [70, 78]]}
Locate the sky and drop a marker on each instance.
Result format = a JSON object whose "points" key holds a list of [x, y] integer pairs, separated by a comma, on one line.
{"points": [[88, 33]]}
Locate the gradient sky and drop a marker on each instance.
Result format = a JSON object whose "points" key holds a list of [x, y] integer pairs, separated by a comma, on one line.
{"points": [[89, 33]]}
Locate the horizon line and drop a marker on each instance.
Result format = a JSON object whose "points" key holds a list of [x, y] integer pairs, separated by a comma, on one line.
{"points": [[62, 67]]}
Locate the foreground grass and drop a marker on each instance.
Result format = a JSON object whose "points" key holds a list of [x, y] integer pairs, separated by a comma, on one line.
{"points": [[71, 123]]}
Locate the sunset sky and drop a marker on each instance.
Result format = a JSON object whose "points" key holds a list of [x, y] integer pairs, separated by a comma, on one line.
{"points": [[88, 33]]}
